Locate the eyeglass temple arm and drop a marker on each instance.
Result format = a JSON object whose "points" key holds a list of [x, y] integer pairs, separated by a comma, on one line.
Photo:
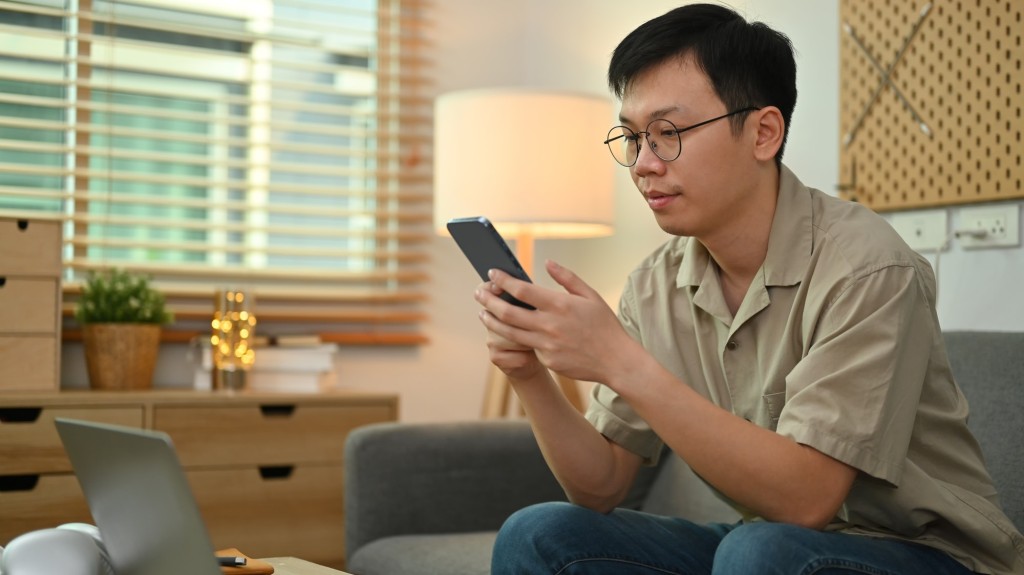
{"points": [[717, 118]]}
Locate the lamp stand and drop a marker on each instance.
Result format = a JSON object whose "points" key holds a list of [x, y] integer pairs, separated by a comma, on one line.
{"points": [[498, 394]]}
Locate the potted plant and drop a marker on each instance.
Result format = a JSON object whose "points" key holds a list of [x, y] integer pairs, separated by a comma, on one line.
{"points": [[121, 315]]}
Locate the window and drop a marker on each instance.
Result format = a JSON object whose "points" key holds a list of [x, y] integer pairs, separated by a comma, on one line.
{"points": [[282, 146]]}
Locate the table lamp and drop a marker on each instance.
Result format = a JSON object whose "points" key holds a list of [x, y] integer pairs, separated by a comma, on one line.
{"points": [[533, 163]]}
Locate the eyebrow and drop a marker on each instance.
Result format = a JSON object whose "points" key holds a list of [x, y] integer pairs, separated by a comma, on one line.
{"points": [[659, 113]]}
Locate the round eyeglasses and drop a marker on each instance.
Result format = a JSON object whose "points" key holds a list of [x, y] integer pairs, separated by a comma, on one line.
{"points": [[661, 135]]}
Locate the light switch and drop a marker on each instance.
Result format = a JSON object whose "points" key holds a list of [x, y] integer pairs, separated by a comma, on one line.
{"points": [[922, 230]]}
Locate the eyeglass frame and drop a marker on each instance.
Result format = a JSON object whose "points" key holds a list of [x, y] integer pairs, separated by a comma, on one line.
{"points": [[647, 135]]}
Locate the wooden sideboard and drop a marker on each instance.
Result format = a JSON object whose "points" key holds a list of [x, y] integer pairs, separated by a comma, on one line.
{"points": [[265, 468]]}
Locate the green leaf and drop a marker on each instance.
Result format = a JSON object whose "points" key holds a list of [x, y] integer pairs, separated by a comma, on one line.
{"points": [[116, 296]]}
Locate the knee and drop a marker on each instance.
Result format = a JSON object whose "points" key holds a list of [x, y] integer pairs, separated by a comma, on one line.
{"points": [[756, 549], [530, 540], [530, 528]]}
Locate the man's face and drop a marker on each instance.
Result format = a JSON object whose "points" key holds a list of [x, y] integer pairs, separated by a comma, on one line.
{"points": [[698, 193]]}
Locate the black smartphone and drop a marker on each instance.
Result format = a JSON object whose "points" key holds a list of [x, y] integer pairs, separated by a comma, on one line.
{"points": [[487, 250]]}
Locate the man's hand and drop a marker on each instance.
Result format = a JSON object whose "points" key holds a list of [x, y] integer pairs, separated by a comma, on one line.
{"points": [[514, 360], [574, 333]]}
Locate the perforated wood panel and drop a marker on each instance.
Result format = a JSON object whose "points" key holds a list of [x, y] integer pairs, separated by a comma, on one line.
{"points": [[946, 128]]}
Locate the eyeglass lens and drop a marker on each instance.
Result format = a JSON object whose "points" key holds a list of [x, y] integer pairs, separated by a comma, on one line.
{"points": [[661, 135]]}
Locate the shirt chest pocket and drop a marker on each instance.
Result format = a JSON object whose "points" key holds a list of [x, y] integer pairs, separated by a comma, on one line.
{"points": [[774, 402]]}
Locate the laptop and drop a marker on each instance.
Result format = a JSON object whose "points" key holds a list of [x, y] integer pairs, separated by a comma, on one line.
{"points": [[139, 498]]}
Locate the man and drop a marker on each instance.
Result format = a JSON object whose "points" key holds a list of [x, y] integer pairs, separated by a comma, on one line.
{"points": [[784, 344]]}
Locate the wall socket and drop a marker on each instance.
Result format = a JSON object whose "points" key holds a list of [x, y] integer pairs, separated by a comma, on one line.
{"points": [[989, 226], [922, 230]]}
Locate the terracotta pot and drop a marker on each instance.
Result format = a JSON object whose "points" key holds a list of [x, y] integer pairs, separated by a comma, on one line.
{"points": [[121, 355]]}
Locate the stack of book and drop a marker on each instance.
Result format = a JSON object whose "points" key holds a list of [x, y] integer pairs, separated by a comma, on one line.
{"points": [[299, 364]]}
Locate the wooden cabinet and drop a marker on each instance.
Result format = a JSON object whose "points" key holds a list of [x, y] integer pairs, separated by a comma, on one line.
{"points": [[30, 264], [265, 468]]}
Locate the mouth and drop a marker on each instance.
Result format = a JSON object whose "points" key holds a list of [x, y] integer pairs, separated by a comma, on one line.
{"points": [[658, 200]]}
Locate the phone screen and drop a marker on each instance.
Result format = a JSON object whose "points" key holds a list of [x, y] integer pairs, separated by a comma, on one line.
{"points": [[487, 250]]}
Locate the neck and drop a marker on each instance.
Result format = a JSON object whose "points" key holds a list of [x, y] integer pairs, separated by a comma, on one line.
{"points": [[740, 248]]}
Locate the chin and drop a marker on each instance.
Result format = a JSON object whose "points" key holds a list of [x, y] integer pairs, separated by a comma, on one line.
{"points": [[672, 225]]}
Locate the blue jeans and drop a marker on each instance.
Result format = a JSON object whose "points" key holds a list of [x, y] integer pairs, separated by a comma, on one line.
{"points": [[566, 539]]}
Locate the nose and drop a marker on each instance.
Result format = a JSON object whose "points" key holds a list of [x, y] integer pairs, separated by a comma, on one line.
{"points": [[647, 162]]}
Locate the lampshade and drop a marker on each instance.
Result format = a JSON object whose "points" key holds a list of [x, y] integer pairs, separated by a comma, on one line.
{"points": [[532, 162]]}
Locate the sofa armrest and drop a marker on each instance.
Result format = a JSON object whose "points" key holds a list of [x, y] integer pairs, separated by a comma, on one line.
{"points": [[403, 479]]}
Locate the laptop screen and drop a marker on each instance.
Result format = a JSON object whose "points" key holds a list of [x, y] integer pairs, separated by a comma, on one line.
{"points": [[139, 498]]}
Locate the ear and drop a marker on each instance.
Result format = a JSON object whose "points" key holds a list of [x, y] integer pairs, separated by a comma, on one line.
{"points": [[771, 129]]}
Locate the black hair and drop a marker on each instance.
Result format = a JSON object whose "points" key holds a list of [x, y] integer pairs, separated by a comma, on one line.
{"points": [[748, 63]]}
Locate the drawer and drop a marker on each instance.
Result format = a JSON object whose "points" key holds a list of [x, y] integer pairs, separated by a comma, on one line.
{"points": [[33, 502], [30, 247], [28, 363], [274, 511], [28, 437], [264, 434], [28, 305]]}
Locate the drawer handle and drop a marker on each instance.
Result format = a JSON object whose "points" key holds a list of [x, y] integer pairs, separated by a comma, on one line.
{"points": [[277, 410], [19, 414], [276, 471], [18, 482], [22, 225], [3, 280]]}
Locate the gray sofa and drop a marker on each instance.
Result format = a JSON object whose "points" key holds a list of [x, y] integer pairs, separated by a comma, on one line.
{"points": [[428, 499]]}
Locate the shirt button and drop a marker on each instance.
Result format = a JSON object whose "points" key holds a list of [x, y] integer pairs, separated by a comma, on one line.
{"points": [[732, 344]]}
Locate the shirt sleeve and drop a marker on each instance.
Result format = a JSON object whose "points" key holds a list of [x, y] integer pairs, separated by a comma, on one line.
{"points": [[855, 394], [612, 416]]}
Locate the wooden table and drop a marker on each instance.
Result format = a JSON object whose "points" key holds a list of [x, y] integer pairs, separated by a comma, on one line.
{"points": [[294, 566]]}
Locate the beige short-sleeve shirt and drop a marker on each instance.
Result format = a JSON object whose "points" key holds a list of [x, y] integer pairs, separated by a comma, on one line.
{"points": [[836, 346]]}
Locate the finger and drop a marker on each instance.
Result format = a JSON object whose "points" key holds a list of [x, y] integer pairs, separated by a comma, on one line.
{"points": [[512, 336], [485, 287], [488, 295], [570, 281], [495, 339], [523, 291]]}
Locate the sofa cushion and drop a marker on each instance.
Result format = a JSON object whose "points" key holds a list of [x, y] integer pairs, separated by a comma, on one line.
{"points": [[678, 492], [456, 554], [421, 479], [989, 367]]}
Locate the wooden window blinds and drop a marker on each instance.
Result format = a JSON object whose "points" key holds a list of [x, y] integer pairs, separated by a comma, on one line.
{"points": [[282, 146]]}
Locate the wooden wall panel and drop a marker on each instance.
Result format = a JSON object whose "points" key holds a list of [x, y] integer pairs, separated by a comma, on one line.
{"points": [[946, 128]]}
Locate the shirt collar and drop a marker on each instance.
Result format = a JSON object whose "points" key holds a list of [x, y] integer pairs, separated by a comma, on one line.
{"points": [[792, 237], [789, 243]]}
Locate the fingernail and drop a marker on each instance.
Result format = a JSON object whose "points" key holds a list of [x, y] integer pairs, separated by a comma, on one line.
{"points": [[490, 274]]}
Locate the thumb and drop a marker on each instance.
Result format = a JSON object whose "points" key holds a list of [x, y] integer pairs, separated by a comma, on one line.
{"points": [[570, 281]]}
